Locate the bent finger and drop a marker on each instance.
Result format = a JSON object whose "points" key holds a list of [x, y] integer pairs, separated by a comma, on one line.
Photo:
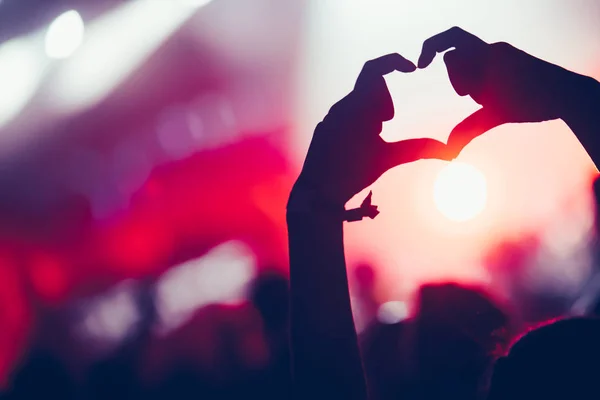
{"points": [[452, 38], [384, 65]]}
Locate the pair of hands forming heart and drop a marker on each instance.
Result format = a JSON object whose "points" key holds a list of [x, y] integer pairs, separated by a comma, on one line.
{"points": [[347, 154]]}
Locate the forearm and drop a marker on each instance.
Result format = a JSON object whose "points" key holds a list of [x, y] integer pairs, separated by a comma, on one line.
{"points": [[582, 113], [326, 359]]}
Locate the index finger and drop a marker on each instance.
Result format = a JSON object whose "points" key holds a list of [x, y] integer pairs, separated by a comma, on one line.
{"points": [[381, 66], [452, 38]]}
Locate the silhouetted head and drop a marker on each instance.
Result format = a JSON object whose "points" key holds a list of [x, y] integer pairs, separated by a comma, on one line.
{"points": [[270, 296], [459, 332], [557, 361], [456, 310], [384, 349]]}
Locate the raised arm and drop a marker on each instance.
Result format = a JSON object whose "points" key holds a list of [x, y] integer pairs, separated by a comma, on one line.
{"points": [[345, 156], [513, 86]]}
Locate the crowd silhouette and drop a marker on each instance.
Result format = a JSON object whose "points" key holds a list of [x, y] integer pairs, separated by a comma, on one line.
{"points": [[296, 338]]}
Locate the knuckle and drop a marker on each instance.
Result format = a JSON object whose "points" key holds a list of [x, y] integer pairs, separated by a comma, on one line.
{"points": [[502, 46], [369, 64], [456, 29]]}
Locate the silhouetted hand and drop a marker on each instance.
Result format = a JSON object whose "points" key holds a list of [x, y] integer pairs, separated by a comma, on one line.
{"points": [[511, 85], [346, 153]]}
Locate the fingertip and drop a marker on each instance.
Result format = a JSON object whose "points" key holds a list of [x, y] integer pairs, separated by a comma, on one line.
{"points": [[453, 155], [424, 61], [437, 151], [447, 156], [407, 68], [405, 65], [455, 147], [446, 152]]}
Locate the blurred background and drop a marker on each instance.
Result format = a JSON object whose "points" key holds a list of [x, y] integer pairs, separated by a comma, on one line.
{"points": [[147, 148]]}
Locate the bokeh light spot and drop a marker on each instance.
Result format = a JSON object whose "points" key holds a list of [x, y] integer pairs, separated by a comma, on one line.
{"points": [[392, 312]]}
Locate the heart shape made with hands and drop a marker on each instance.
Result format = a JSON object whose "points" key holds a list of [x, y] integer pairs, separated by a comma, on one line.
{"points": [[422, 93], [429, 92], [347, 153]]}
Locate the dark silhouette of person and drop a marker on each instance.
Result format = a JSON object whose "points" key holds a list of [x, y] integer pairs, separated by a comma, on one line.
{"points": [[346, 155], [459, 332], [365, 293], [445, 351], [270, 296], [556, 361]]}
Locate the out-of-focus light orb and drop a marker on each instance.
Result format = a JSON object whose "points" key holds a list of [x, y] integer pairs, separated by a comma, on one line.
{"points": [[392, 312], [112, 316], [65, 35], [460, 191]]}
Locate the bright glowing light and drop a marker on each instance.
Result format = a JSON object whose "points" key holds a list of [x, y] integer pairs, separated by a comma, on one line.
{"points": [[460, 191], [392, 312], [116, 45], [65, 35], [21, 69], [220, 276]]}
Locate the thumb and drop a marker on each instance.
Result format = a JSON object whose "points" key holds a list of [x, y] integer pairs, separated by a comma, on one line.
{"points": [[471, 127], [410, 150]]}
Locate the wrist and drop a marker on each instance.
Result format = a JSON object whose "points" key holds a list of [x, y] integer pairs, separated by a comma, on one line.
{"points": [[307, 200]]}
